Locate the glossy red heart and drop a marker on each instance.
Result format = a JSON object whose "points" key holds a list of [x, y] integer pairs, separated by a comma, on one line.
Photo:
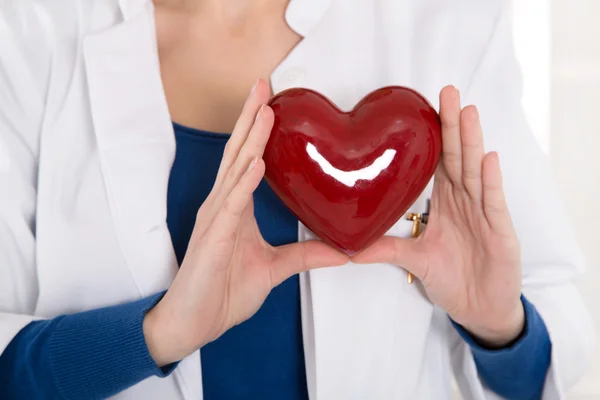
{"points": [[349, 177]]}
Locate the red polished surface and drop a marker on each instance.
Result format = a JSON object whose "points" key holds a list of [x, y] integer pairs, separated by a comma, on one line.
{"points": [[350, 176]]}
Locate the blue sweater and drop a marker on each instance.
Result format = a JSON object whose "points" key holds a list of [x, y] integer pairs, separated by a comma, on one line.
{"points": [[98, 353]]}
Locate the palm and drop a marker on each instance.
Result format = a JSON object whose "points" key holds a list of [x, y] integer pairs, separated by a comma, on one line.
{"points": [[249, 268], [468, 258], [248, 281]]}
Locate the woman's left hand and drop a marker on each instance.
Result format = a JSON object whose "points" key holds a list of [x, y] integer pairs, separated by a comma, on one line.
{"points": [[468, 257]]}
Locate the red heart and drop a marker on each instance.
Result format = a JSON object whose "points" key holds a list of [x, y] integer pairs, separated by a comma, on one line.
{"points": [[349, 177]]}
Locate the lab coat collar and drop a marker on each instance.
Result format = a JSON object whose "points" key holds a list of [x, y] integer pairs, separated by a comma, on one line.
{"points": [[301, 15], [130, 8]]}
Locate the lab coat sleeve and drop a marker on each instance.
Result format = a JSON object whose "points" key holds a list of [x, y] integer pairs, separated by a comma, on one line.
{"points": [[551, 258], [24, 69]]}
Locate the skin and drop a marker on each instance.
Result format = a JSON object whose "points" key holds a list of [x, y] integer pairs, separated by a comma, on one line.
{"points": [[229, 269], [212, 52], [468, 258]]}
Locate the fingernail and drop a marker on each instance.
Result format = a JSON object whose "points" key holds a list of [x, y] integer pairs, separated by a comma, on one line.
{"points": [[253, 88], [252, 164], [258, 114]]}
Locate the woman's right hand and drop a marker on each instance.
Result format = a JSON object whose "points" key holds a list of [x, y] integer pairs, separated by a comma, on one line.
{"points": [[229, 269]]}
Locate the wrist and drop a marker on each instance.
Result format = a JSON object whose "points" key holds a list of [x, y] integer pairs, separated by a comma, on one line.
{"points": [[162, 339], [502, 331]]}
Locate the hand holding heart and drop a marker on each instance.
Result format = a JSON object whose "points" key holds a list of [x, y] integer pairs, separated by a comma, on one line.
{"points": [[228, 269], [468, 258]]}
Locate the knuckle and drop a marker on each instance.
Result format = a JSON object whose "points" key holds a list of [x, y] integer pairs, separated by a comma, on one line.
{"points": [[229, 207], [452, 123], [494, 207], [228, 149], [471, 145], [451, 156], [471, 173], [450, 117], [233, 173], [491, 188]]}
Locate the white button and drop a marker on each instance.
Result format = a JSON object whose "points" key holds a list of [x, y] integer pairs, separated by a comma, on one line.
{"points": [[293, 76]]}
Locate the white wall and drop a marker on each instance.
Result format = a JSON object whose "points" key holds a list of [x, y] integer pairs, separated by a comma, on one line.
{"points": [[558, 45], [533, 45], [575, 141]]}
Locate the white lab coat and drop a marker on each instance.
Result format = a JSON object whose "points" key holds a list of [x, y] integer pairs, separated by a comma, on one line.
{"points": [[86, 146]]}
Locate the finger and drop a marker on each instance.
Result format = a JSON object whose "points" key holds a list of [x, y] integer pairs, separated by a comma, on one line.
{"points": [[472, 151], [405, 253], [494, 202], [451, 148], [294, 258], [259, 95], [441, 174], [228, 217], [253, 147]]}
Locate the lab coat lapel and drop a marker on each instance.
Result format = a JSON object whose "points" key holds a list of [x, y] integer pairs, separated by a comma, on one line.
{"points": [[136, 145], [345, 356], [136, 149], [364, 328], [352, 315]]}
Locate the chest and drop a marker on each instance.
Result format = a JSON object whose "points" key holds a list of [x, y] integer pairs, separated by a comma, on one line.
{"points": [[108, 148], [208, 64]]}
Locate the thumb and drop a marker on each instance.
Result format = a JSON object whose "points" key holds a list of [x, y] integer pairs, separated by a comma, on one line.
{"points": [[405, 253], [294, 258]]}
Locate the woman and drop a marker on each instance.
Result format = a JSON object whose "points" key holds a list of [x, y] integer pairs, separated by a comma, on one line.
{"points": [[131, 261]]}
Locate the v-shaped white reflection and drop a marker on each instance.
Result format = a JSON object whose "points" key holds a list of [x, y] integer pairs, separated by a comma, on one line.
{"points": [[349, 178]]}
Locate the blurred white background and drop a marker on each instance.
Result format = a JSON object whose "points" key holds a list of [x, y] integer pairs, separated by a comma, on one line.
{"points": [[558, 44]]}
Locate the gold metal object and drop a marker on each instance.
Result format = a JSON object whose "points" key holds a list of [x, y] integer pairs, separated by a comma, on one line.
{"points": [[417, 220]]}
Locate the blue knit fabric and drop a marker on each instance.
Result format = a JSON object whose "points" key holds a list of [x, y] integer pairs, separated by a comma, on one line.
{"points": [[262, 358], [518, 371], [88, 355], [98, 353]]}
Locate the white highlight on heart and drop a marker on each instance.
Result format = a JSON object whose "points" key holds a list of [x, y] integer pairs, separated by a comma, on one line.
{"points": [[349, 178]]}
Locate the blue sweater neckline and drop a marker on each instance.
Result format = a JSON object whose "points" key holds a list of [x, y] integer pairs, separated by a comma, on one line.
{"points": [[179, 128]]}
